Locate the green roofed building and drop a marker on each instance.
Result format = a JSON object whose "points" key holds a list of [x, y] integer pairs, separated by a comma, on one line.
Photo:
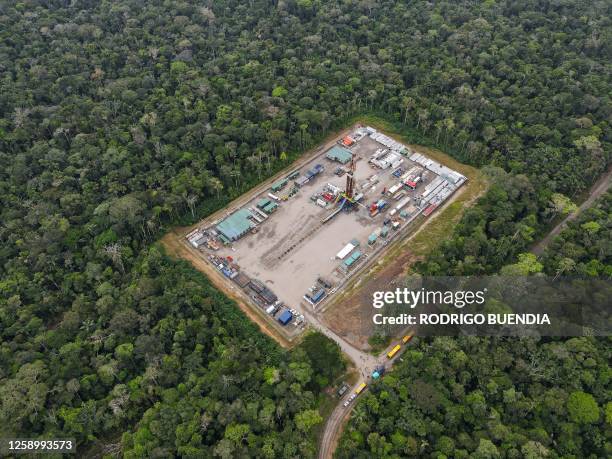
{"points": [[263, 203], [235, 226], [270, 207], [279, 185], [337, 153], [350, 261]]}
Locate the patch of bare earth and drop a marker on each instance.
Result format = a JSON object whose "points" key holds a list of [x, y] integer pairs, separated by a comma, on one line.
{"points": [[349, 317]]}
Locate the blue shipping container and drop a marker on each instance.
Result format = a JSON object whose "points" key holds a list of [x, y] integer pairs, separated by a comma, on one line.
{"points": [[318, 295], [285, 317]]}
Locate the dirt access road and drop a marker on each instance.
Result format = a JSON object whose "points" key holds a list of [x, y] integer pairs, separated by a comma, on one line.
{"points": [[364, 362], [599, 188], [336, 420]]}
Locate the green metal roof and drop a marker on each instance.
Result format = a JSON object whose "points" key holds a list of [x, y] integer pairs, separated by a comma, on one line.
{"points": [[353, 258], [337, 153], [270, 207], [236, 225], [280, 184], [263, 203]]}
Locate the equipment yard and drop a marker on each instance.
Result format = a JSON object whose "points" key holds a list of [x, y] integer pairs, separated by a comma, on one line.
{"points": [[292, 247]]}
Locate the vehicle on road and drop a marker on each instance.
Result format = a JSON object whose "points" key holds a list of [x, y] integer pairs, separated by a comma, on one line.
{"points": [[348, 401], [393, 351]]}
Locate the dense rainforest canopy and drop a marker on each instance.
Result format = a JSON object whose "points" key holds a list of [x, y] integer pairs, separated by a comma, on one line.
{"points": [[492, 397], [121, 118]]}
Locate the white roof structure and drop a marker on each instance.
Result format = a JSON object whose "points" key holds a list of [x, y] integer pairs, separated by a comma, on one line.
{"points": [[450, 175], [348, 248], [402, 203]]}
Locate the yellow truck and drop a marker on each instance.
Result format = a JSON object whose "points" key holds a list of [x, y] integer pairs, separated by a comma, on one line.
{"points": [[360, 389], [406, 339], [394, 351]]}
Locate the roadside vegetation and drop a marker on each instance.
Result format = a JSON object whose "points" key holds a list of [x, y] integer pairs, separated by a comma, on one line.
{"points": [[494, 397], [121, 119]]}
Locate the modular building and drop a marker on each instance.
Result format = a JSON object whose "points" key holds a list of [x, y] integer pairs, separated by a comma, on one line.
{"points": [[270, 207], [301, 181], [339, 154], [263, 202], [350, 261], [279, 185], [316, 296], [235, 226]]}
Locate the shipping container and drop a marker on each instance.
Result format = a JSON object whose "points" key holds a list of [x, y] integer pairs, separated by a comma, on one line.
{"points": [[316, 296], [279, 185]]}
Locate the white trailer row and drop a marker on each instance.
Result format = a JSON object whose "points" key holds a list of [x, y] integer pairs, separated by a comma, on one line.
{"points": [[442, 195], [431, 186], [387, 141], [394, 189], [437, 195], [450, 175], [256, 211], [413, 171], [400, 205], [390, 159], [196, 238]]}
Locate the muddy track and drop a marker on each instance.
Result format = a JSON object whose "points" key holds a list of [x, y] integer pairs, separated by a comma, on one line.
{"points": [[599, 188]]}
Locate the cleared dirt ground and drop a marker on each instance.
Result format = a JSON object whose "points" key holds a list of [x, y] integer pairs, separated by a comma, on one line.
{"points": [[349, 314], [292, 247], [175, 247]]}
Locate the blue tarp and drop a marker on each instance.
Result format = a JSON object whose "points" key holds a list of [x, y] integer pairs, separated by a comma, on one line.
{"points": [[285, 317]]}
